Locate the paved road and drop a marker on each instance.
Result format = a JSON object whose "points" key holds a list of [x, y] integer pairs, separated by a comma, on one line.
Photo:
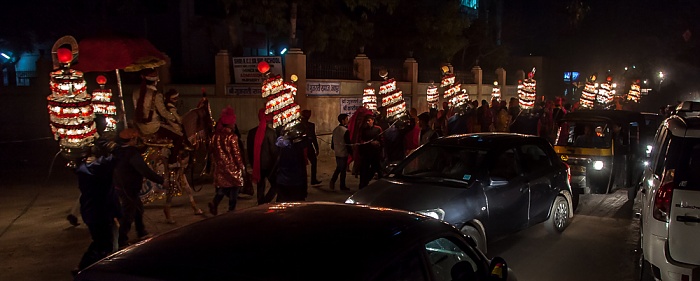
{"points": [[599, 244], [36, 241]]}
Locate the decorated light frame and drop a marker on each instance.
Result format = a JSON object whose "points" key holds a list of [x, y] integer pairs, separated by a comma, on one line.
{"points": [[432, 95], [391, 97], [369, 97], [102, 104], [453, 93], [606, 93], [634, 93], [280, 98], [588, 95], [71, 114], [496, 92], [527, 91]]}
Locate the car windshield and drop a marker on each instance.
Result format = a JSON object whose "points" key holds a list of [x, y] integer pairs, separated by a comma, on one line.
{"points": [[443, 162], [584, 134], [688, 164]]}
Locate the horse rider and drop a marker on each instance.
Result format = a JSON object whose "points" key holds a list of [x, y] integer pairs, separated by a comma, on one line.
{"points": [[156, 114]]}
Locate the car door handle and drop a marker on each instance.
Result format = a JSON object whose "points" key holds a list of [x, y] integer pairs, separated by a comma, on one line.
{"points": [[688, 219]]}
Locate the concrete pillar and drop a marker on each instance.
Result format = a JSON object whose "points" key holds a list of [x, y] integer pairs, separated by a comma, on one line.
{"points": [[362, 67], [410, 68], [478, 77], [501, 77], [295, 63], [222, 63]]}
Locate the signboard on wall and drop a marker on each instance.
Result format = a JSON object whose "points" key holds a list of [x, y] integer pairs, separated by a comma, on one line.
{"points": [[349, 105], [322, 88], [237, 90], [245, 69]]}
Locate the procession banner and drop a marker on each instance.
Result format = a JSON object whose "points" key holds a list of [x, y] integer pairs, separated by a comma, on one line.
{"points": [[237, 90], [322, 88], [245, 69], [349, 105]]}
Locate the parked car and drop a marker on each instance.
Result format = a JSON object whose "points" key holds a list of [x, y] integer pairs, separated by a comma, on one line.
{"points": [[487, 184], [305, 241], [604, 146], [670, 199]]}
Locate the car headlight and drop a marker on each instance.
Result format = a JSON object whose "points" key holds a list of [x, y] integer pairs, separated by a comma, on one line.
{"points": [[597, 165], [433, 213], [646, 163], [349, 201]]}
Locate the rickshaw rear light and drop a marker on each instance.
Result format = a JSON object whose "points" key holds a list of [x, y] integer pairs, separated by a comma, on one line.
{"points": [[662, 199]]}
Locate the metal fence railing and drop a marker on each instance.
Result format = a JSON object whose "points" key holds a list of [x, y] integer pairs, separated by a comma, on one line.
{"points": [[329, 70]]}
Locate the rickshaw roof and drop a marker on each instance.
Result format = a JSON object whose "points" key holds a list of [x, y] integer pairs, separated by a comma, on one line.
{"points": [[617, 116]]}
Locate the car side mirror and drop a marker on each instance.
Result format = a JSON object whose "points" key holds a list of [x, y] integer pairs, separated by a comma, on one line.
{"points": [[498, 269]]}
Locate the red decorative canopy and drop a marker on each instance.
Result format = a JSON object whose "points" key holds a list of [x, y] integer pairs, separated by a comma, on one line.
{"points": [[112, 53]]}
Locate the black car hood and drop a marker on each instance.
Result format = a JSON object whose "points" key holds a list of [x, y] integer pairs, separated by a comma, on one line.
{"points": [[409, 194]]}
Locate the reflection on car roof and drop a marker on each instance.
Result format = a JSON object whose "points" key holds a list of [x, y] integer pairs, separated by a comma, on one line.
{"points": [[289, 241], [483, 139]]}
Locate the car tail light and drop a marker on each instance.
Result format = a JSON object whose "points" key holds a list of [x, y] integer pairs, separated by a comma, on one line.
{"points": [[662, 199]]}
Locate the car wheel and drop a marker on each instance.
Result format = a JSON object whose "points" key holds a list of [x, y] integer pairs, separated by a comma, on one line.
{"points": [[475, 234], [559, 215]]}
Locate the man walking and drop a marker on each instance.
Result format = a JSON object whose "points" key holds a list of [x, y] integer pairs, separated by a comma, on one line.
{"points": [[129, 172], [313, 150], [339, 144], [370, 150], [262, 154]]}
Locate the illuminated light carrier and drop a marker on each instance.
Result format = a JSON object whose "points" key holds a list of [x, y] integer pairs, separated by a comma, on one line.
{"points": [[392, 99], [71, 114], [496, 92], [280, 102], [634, 93], [588, 96], [369, 99], [432, 96], [453, 93], [605, 94], [102, 104], [528, 94]]}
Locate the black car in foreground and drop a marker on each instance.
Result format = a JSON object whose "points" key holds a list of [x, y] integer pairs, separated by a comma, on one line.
{"points": [[486, 184], [305, 241]]}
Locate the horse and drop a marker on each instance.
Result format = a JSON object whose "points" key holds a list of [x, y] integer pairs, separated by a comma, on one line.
{"points": [[198, 127]]}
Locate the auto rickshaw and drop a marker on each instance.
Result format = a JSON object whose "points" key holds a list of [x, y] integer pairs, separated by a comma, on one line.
{"points": [[603, 147]]}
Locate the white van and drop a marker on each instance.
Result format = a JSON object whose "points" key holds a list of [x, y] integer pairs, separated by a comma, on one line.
{"points": [[670, 197]]}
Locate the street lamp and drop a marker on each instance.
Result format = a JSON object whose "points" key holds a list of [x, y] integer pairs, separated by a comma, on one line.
{"points": [[661, 79]]}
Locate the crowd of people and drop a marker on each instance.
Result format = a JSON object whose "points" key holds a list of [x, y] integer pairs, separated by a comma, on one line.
{"points": [[274, 159]]}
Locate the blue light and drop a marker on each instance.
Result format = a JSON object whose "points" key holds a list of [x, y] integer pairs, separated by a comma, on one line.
{"points": [[283, 51], [5, 56]]}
